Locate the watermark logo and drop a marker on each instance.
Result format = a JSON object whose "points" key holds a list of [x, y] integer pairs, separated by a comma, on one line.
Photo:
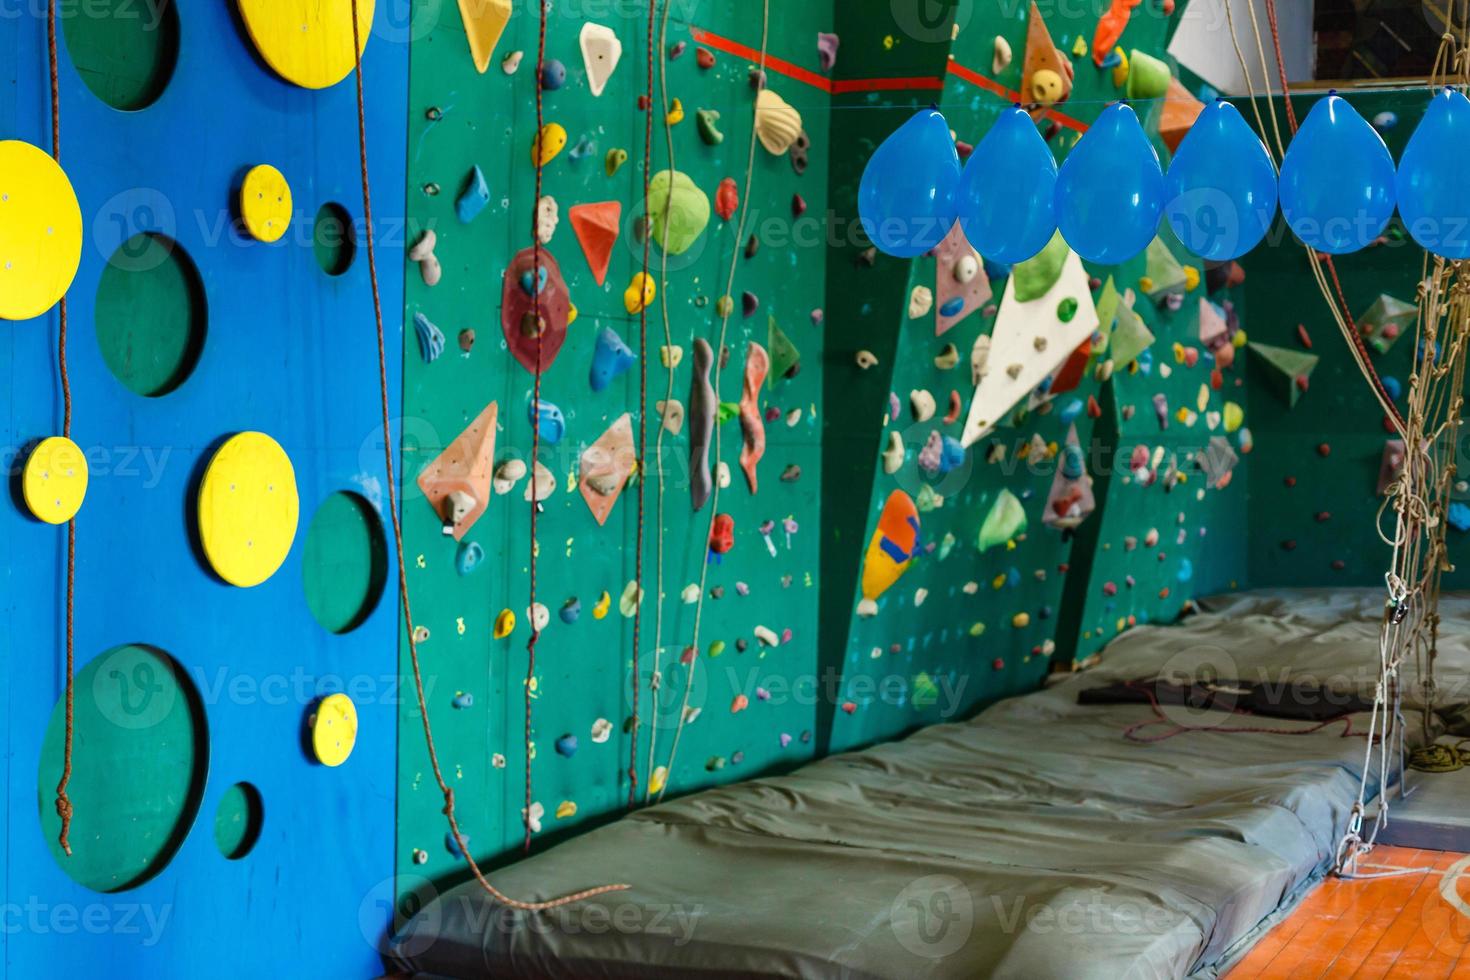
{"points": [[933, 916], [132, 689]]}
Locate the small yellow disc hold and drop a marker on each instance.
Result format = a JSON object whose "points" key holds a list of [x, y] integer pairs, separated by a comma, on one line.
{"points": [[40, 231], [54, 482], [307, 42], [248, 509], [265, 203], [334, 729]]}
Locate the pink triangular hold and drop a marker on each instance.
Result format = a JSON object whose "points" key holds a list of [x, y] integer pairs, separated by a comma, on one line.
{"points": [[959, 274], [597, 227], [752, 425], [464, 468], [606, 466]]}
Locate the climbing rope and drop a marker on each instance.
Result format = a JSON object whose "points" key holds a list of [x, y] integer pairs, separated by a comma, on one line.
{"points": [[418, 679], [1441, 758], [714, 502], [64, 808]]}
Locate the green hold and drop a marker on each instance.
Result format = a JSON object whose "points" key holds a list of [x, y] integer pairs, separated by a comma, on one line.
{"points": [[926, 692], [1067, 309], [728, 411], [1007, 518], [708, 121], [1035, 277], [784, 355], [615, 160], [680, 211], [716, 648]]}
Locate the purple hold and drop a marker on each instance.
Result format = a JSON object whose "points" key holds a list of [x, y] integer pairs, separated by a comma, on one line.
{"points": [[827, 50], [749, 303]]}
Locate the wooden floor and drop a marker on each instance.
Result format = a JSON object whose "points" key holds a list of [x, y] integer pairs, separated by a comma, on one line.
{"points": [[1411, 926]]}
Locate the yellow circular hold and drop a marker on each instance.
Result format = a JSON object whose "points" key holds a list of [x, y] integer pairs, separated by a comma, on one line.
{"points": [[54, 482], [265, 203], [248, 509], [40, 231], [307, 42], [334, 730], [1047, 87]]}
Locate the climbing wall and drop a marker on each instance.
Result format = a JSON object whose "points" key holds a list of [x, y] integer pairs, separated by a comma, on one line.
{"points": [[1314, 484], [207, 836], [989, 603], [757, 618]]}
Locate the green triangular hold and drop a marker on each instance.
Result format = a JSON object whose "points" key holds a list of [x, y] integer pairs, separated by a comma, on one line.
{"points": [[1388, 319], [1006, 520], [1035, 277], [1130, 338], [1107, 312], [1165, 274], [784, 355], [1285, 367]]}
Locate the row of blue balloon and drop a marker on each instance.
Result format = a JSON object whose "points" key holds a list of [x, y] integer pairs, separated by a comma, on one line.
{"points": [[1337, 188]]}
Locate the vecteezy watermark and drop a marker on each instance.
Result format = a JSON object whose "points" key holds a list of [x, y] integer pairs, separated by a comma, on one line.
{"points": [[933, 916], [38, 917]]}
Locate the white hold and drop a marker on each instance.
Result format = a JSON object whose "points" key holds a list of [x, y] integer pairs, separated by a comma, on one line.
{"points": [[722, 475], [601, 51], [507, 475], [497, 760], [921, 404], [979, 358], [548, 216], [631, 598], [601, 730], [671, 356], [1002, 59], [867, 609], [893, 456], [690, 595], [866, 359], [532, 816], [511, 62], [457, 507], [543, 482], [767, 637], [876, 653], [921, 301], [970, 588], [793, 418], [920, 594], [423, 253], [672, 414], [967, 268], [539, 616]]}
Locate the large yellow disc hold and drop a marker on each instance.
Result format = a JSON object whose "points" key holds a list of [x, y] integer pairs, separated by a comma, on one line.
{"points": [[265, 203], [40, 231], [307, 42], [334, 729], [248, 509], [54, 482]]}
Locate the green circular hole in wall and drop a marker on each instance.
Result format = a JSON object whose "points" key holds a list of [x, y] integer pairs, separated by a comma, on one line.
{"points": [[238, 820], [124, 50], [346, 562], [140, 754], [151, 314], [334, 239]]}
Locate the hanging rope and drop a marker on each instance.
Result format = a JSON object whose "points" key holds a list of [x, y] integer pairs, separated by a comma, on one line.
{"points": [[719, 354], [64, 808], [418, 679]]}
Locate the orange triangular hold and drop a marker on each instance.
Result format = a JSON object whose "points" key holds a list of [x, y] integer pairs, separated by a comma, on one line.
{"points": [[1046, 76], [597, 227], [606, 466], [457, 482], [1177, 117]]}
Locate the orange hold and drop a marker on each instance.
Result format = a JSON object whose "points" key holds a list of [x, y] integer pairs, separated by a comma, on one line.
{"points": [[1110, 28], [727, 198], [597, 227]]}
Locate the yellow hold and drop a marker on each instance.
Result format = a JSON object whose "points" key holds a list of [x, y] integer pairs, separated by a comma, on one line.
{"points": [[640, 294], [484, 22], [505, 623], [549, 142]]}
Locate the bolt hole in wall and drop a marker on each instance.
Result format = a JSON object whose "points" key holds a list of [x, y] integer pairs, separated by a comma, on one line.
{"points": [[346, 562], [141, 756], [334, 239], [124, 50], [151, 315]]}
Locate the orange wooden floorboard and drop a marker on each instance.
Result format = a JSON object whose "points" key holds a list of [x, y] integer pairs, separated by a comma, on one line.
{"points": [[1371, 929]]}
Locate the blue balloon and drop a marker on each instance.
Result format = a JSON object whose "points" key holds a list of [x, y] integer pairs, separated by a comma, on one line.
{"points": [[1337, 180], [1221, 186], [907, 196], [1434, 198], [1008, 190], [1110, 190]]}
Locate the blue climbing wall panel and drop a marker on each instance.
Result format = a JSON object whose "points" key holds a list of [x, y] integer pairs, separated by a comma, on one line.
{"points": [[289, 351]]}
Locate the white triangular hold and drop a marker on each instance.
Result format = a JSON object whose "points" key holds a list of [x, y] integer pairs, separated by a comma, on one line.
{"points": [[1029, 342], [601, 50]]}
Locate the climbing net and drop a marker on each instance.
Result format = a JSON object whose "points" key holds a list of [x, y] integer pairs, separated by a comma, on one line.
{"points": [[1420, 493]]}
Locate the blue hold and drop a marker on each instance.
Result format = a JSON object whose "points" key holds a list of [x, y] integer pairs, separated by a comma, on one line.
{"points": [[567, 746], [1186, 570], [1458, 517], [469, 557], [526, 281], [452, 846], [465, 700], [954, 307], [554, 75], [1393, 386], [585, 147], [431, 338], [951, 456], [1071, 411], [571, 611], [549, 421], [1013, 577], [473, 199], [610, 360]]}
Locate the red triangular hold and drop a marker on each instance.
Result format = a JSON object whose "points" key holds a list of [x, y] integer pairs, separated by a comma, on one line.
{"points": [[597, 227]]}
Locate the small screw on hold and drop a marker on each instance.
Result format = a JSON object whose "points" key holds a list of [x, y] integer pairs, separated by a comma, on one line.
{"points": [[431, 189]]}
